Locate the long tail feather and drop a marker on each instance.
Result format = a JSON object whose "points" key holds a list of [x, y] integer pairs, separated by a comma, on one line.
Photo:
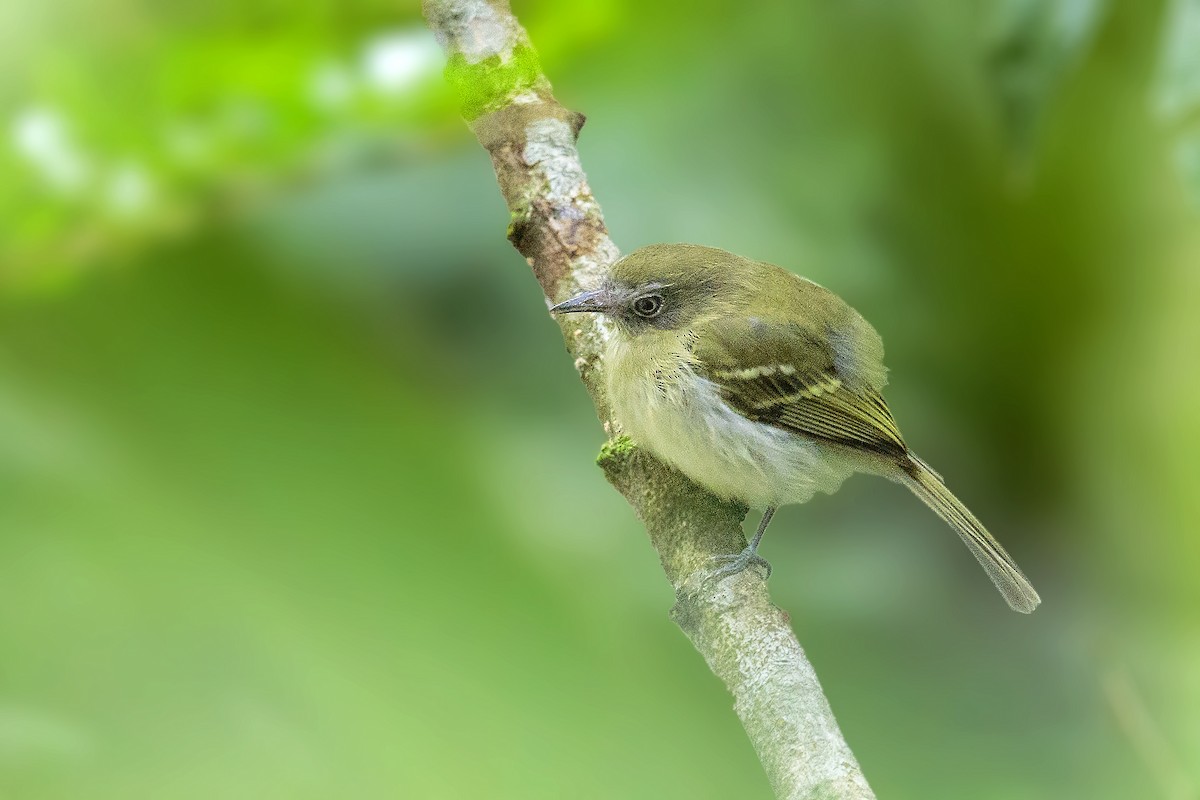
{"points": [[1000, 567]]}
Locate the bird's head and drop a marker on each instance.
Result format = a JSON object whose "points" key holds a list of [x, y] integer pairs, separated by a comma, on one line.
{"points": [[659, 287]]}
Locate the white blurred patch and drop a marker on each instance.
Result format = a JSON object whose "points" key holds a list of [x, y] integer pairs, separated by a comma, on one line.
{"points": [[331, 86], [129, 190], [41, 136], [393, 62]]}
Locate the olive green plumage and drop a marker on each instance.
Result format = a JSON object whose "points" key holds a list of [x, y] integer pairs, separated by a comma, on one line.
{"points": [[763, 387]]}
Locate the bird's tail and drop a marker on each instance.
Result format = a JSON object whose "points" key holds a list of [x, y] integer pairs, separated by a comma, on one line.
{"points": [[1004, 572]]}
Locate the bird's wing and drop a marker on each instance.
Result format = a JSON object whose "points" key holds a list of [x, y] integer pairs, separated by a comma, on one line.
{"points": [[787, 375]]}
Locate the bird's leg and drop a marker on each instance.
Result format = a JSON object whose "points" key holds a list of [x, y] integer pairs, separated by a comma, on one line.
{"points": [[737, 563]]}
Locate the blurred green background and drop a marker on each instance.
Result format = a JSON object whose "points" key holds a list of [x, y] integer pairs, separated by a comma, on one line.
{"points": [[297, 493]]}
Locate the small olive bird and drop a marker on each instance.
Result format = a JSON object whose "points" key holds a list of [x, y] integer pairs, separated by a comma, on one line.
{"points": [[763, 387]]}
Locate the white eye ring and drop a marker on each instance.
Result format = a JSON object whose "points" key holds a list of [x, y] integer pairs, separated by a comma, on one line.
{"points": [[648, 305]]}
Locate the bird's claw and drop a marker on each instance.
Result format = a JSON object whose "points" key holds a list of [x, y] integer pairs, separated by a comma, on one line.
{"points": [[736, 562]]}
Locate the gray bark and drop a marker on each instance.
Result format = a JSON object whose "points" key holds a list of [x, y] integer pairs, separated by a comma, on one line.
{"points": [[557, 226]]}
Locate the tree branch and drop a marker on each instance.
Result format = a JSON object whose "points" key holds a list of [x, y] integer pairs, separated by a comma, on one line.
{"points": [[557, 226]]}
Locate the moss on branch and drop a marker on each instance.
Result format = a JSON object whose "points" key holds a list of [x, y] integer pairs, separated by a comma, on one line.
{"points": [[492, 83], [615, 449]]}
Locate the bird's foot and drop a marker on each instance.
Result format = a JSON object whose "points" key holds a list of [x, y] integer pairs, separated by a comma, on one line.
{"points": [[735, 563]]}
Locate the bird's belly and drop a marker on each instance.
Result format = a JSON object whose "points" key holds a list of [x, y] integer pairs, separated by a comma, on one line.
{"points": [[681, 418]]}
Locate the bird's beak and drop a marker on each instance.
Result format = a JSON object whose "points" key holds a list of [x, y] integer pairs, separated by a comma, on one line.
{"points": [[595, 300]]}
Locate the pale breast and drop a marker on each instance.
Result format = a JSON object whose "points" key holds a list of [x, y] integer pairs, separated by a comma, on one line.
{"points": [[663, 405]]}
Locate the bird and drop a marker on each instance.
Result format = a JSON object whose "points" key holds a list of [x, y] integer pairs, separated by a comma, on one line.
{"points": [[764, 388]]}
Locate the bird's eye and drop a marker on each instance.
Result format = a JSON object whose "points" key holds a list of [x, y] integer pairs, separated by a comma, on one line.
{"points": [[648, 305]]}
